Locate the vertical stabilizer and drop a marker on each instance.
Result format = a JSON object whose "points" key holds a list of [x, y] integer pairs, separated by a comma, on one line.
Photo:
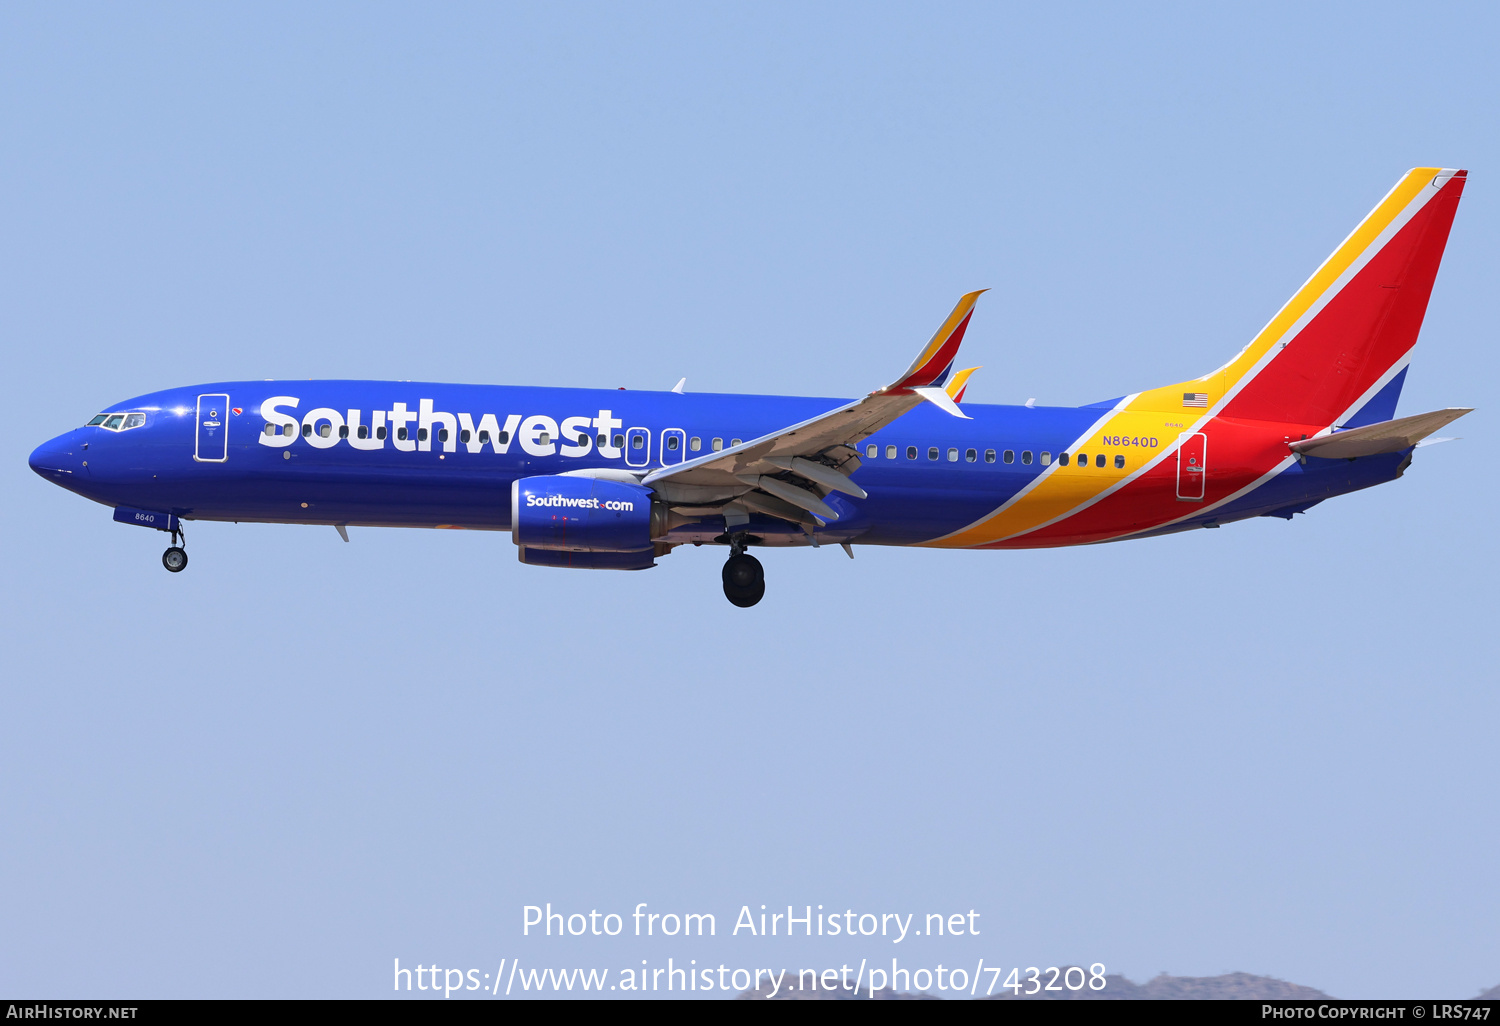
{"points": [[1338, 349]]}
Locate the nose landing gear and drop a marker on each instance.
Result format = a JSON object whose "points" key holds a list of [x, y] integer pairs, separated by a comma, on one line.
{"points": [[175, 558], [744, 577]]}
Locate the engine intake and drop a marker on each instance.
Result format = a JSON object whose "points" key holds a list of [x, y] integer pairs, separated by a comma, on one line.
{"points": [[563, 513]]}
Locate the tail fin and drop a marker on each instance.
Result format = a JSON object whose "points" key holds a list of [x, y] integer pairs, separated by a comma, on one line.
{"points": [[1336, 353]]}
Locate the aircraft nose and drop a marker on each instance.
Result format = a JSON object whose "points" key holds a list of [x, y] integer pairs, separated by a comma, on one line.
{"points": [[56, 460]]}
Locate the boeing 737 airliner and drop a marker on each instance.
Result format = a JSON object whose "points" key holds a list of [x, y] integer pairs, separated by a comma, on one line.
{"points": [[616, 480]]}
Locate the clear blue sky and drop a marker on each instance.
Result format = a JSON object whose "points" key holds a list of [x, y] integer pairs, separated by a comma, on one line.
{"points": [[1267, 748]]}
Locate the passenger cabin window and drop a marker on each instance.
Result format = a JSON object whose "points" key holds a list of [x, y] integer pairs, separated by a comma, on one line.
{"points": [[1083, 459], [911, 452], [717, 444], [1120, 462], [484, 438], [442, 434], [890, 452], [695, 443], [1009, 456], [672, 443], [344, 431], [932, 452], [618, 443], [872, 451], [400, 433], [545, 438], [735, 441], [97, 420], [952, 455], [636, 442], [972, 455], [272, 429], [380, 432], [1099, 460], [1026, 457], [326, 430], [307, 431], [364, 432], [463, 436], [1062, 458], [1046, 458], [989, 455]]}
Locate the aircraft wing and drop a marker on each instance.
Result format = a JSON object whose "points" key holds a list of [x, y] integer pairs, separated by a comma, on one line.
{"points": [[787, 474], [1373, 439]]}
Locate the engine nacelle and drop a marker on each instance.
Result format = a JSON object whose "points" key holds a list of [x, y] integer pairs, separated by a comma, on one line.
{"points": [[643, 560], [564, 513]]}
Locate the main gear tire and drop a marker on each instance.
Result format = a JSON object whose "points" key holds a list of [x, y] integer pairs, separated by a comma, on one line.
{"points": [[744, 580]]}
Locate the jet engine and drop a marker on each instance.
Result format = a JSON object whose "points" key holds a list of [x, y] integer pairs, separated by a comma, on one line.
{"points": [[564, 513]]}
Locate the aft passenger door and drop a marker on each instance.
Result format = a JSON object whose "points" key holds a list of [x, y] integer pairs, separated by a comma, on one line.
{"points": [[213, 429], [1192, 467]]}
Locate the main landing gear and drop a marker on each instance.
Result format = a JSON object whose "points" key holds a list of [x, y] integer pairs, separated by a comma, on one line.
{"points": [[744, 577], [175, 558]]}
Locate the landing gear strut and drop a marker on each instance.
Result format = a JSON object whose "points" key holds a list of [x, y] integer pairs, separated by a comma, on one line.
{"points": [[175, 558], [744, 577]]}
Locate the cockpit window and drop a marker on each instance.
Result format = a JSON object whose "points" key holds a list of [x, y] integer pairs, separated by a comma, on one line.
{"points": [[118, 421]]}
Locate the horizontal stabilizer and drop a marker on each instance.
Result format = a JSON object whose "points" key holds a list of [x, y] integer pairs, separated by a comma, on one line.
{"points": [[1373, 439]]}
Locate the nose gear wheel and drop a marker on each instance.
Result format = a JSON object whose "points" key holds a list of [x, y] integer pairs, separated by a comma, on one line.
{"points": [[175, 558]]}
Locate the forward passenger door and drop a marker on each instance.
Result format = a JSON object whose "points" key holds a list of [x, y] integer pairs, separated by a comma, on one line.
{"points": [[212, 445]]}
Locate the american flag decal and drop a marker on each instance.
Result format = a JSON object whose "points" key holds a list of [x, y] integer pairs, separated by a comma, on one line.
{"points": [[1195, 399]]}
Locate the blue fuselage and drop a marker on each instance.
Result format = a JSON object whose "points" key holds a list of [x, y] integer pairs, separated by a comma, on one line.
{"points": [[446, 455]]}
